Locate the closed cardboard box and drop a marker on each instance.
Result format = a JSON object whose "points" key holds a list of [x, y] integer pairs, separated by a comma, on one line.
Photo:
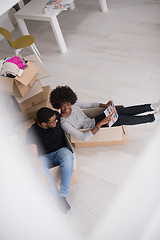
{"points": [[33, 97], [46, 103], [19, 86]]}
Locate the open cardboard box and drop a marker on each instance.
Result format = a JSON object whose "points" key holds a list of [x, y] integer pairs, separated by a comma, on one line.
{"points": [[19, 86], [42, 72], [104, 137]]}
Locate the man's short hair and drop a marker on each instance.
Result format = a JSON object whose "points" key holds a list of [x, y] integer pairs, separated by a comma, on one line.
{"points": [[44, 114]]}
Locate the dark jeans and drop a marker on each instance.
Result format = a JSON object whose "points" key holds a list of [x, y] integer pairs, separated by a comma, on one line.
{"points": [[126, 115]]}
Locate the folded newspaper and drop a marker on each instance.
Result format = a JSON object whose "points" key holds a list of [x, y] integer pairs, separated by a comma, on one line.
{"points": [[111, 110]]}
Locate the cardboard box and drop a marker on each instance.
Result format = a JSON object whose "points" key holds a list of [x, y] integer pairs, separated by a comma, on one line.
{"points": [[42, 72], [104, 137], [19, 86], [46, 103], [34, 96]]}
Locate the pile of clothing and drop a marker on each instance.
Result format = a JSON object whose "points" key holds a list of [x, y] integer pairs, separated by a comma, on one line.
{"points": [[12, 66]]}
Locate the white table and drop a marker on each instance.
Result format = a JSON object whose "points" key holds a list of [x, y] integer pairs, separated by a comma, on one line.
{"points": [[34, 11]]}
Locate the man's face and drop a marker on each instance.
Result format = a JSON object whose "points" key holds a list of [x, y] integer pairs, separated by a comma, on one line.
{"points": [[52, 122]]}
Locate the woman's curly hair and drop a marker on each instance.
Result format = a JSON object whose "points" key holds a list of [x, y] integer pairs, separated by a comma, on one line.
{"points": [[62, 94]]}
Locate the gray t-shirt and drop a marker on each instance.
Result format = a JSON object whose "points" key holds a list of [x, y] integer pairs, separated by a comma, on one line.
{"points": [[78, 120]]}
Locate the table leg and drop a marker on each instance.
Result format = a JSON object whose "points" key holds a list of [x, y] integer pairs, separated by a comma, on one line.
{"points": [[103, 4], [58, 35], [22, 26]]}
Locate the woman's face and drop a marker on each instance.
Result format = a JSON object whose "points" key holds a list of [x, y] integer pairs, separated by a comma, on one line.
{"points": [[65, 108]]}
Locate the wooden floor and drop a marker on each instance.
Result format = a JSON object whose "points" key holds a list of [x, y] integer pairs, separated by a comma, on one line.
{"points": [[113, 55]]}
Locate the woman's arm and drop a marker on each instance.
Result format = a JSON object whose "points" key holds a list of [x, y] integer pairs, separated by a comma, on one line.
{"points": [[93, 104], [106, 104], [84, 136], [104, 121]]}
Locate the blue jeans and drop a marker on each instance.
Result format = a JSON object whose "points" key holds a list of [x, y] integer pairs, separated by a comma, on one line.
{"points": [[64, 158]]}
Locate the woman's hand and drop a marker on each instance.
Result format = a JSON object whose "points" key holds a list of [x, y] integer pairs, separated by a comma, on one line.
{"points": [[106, 120], [109, 103], [106, 104]]}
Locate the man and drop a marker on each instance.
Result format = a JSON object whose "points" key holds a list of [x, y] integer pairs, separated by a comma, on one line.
{"points": [[52, 150]]}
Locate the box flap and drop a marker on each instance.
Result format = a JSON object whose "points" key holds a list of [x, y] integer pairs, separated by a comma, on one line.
{"points": [[6, 84], [28, 74], [42, 72], [34, 90]]}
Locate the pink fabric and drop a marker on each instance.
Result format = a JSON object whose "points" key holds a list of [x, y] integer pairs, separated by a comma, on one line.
{"points": [[18, 61]]}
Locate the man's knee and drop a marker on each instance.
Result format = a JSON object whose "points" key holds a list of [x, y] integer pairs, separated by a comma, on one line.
{"points": [[66, 157]]}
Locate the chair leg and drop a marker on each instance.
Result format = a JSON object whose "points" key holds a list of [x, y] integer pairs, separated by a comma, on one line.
{"points": [[34, 46], [35, 50], [17, 50]]}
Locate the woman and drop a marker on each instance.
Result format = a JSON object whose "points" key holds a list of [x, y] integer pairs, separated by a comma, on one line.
{"points": [[73, 118]]}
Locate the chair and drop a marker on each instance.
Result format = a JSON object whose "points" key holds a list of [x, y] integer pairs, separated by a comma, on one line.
{"points": [[21, 42]]}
